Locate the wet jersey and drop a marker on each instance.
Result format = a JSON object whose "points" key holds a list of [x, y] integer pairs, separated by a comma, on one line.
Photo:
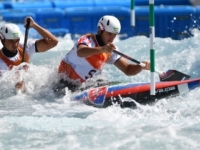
{"points": [[7, 62], [79, 68]]}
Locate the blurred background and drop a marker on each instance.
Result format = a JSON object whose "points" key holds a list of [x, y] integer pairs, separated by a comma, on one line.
{"points": [[173, 18]]}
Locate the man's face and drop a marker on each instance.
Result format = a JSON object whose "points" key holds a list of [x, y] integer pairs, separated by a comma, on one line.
{"points": [[108, 37], [11, 45]]}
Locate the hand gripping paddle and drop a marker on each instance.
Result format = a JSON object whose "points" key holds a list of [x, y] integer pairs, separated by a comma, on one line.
{"points": [[170, 75]]}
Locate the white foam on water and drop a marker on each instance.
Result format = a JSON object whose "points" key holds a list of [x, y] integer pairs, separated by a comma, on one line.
{"points": [[38, 119]]}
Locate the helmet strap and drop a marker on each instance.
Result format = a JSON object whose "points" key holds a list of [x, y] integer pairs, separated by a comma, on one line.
{"points": [[99, 31]]}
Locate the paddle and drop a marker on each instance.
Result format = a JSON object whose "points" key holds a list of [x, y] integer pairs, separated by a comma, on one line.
{"points": [[25, 38], [170, 75]]}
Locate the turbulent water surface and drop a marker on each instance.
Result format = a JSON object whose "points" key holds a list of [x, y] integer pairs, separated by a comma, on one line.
{"points": [[39, 120]]}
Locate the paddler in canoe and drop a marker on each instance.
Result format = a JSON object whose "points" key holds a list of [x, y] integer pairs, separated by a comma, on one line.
{"points": [[91, 52]]}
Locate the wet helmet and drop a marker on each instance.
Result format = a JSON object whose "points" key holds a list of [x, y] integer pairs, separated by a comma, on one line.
{"points": [[109, 24], [10, 31]]}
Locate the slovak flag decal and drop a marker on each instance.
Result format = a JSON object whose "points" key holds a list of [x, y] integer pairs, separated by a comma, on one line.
{"points": [[97, 95]]}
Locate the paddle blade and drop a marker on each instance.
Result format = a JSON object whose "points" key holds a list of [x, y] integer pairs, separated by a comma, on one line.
{"points": [[173, 75]]}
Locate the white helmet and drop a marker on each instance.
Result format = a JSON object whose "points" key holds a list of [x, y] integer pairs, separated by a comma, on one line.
{"points": [[109, 24], [10, 31]]}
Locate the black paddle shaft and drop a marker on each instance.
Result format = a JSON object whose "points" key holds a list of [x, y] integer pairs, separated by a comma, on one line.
{"points": [[25, 39], [127, 57], [170, 75]]}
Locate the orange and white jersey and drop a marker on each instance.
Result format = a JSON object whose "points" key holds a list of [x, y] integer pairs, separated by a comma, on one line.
{"points": [[30, 50], [79, 68]]}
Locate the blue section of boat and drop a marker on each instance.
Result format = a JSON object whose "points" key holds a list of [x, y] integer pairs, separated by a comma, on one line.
{"points": [[81, 96], [100, 100], [193, 84], [125, 86]]}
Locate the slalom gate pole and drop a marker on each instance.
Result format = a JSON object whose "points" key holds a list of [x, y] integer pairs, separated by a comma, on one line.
{"points": [[132, 13], [152, 42]]}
